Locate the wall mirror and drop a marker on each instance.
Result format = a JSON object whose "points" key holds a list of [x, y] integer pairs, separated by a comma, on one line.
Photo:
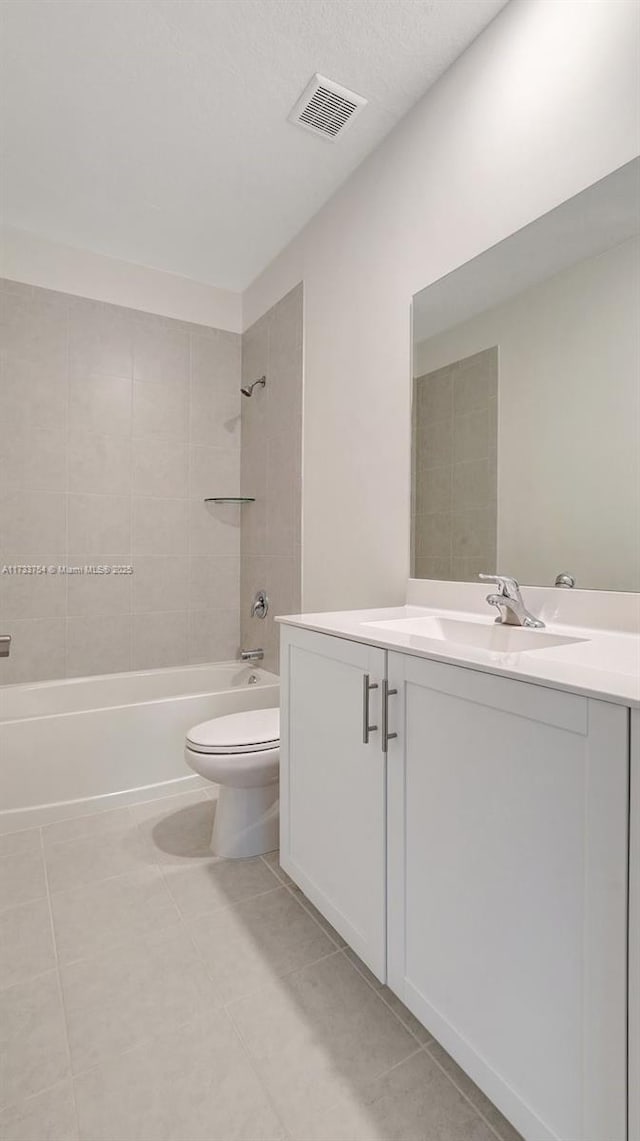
{"points": [[526, 402]]}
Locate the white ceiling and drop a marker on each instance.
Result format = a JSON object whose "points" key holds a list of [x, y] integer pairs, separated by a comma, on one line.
{"points": [[156, 130]]}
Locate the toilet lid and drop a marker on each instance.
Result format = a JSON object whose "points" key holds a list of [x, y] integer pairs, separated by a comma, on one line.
{"points": [[247, 732]]}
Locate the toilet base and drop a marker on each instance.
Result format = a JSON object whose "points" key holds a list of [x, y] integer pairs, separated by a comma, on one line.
{"points": [[247, 821]]}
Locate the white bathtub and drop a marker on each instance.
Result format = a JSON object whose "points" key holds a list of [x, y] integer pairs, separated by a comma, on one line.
{"points": [[87, 744]]}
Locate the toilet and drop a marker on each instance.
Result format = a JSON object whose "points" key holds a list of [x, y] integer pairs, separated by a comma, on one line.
{"points": [[241, 753]]}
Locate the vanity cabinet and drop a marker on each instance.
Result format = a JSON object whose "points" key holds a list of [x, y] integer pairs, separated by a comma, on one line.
{"points": [[332, 785], [507, 889], [479, 866]]}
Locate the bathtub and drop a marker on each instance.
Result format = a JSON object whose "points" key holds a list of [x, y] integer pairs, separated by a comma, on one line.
{"points": [[90, 744]]}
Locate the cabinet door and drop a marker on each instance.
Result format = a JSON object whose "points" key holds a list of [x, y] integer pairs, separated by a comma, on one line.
{"points": [[332, 786], [507, 824]]}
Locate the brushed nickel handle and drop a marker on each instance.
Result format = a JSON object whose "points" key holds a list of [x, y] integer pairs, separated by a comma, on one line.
{"points": [[367, 686], [386, 735]]}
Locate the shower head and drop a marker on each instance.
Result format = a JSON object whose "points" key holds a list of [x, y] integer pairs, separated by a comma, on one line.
{"points": [[247, 389]]}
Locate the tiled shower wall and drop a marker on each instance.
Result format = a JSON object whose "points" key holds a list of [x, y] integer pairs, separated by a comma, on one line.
{"points": [[272, 470], [114, 426], [454, 502]]}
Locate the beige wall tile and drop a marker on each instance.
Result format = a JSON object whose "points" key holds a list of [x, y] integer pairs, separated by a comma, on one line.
{"points": [[214, 529], [37, 650], [159, 526], [33, 459], [30, 595], [99, 464], [160, 409], [214, 418], [271, 470], [97, 644], [159, 640], [159, 582], [214, 583], [32, 522], [32, 395], [214, 635], [160, 468], [97, 402], [93, 594], [160, 353], [215, 360], [101, 405], [213, 471], [100, 339], [99, 523]]}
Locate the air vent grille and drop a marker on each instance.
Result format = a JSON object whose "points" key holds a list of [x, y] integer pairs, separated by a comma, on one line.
{"points": [[326, 108]]}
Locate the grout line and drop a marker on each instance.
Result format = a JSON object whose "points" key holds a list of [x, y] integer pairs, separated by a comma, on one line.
{"points": [[378, 991], [462, 1093], [255, 1070], [63, 1004]]}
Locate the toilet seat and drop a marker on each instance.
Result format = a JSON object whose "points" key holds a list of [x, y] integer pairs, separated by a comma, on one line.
{"points": [[253, 731]]}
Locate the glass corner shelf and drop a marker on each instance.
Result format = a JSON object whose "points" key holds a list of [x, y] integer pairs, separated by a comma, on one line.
{"points": [[230, 499]]}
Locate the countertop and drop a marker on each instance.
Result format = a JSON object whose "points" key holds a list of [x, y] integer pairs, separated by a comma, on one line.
{"points": [[601, 663]]}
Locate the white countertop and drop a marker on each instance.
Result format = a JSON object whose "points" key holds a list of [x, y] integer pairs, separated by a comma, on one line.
{"points": [[603, 663]]}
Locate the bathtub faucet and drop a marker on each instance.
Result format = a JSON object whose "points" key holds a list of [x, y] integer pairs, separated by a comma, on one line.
{"points": [[251, 655], [5, 645]]}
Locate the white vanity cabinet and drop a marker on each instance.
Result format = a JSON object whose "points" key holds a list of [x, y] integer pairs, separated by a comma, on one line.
{"points": [[332, 784], [507, 889], [480, 866]]}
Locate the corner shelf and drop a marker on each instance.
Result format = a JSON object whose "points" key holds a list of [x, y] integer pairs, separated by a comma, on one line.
{"points": [[230, 499]]}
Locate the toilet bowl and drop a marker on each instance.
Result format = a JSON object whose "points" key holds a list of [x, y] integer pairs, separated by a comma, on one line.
{"points": [[241, 753]]}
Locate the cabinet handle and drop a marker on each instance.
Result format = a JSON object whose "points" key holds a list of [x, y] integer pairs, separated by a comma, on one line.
{"points": [[386, 735], [367, 686]]}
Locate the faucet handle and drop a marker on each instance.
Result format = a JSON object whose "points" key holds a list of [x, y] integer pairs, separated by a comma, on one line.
{"points": [[507, 586]]}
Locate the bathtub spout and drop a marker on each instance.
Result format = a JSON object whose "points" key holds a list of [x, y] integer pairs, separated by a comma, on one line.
{"points": [[5, 645]]}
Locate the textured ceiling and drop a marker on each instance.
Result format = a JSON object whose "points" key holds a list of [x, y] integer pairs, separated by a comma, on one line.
{"points": [[156, 130]]}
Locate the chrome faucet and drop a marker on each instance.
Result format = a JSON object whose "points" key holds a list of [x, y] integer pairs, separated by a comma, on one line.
{"points": [[508, 599], [5, 645]]}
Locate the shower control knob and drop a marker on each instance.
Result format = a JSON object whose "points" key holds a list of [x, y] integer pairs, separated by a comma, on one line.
{"points": [[260, 604]]}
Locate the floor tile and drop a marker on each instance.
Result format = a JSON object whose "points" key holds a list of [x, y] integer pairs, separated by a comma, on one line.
{"points": [[196, 1085], [33, 1053], [26, 942], [413, 1102], [112, 913], [22, 878], [420, 1033], [314, 1034], [89, 859], [217, 883], [315, 914], [502, 1127], [116, 1000], [16, 843], [176, 831], [248, 945], [79, 827], [49, 1116], [272, 860]]}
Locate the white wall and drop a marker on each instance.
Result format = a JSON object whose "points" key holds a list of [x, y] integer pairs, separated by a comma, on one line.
{"points": [[543, 104], [35, 260], [569, 420]]}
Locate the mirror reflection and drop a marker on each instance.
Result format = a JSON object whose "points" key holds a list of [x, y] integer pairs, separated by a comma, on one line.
{"points": [[526, 403]]}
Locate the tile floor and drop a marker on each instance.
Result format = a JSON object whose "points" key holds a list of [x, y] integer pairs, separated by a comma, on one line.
{"points": [[149, 992]]}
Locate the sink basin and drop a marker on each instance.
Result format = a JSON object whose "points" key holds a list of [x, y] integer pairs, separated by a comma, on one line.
{"points": [[481, 635]]}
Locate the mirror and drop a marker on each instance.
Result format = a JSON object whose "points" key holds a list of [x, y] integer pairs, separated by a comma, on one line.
{"points": [[526, 402]]}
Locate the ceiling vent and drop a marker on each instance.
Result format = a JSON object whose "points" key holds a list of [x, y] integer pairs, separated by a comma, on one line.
{"points": [[326, 108]]}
